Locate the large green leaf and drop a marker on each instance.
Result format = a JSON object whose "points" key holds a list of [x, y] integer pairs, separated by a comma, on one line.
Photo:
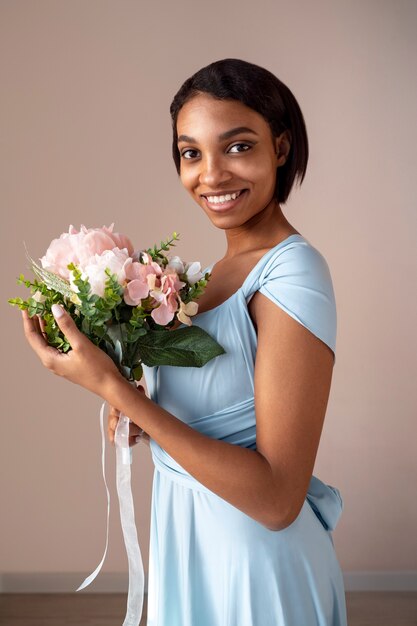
{"points": [[186, 347]]}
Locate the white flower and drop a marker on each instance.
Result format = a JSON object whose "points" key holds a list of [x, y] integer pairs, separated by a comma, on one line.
{"points": [[38, 296], [145, 258], [193, 271], [176, 264], [115, 260]]}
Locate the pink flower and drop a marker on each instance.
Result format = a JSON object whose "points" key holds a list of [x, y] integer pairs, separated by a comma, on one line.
{"points": [[137, 288], [115, 260], [79, 247], [166, 293], [170, 283]]}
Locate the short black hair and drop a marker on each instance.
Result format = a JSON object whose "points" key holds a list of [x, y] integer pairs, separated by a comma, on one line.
{"points": [[262, 91]]}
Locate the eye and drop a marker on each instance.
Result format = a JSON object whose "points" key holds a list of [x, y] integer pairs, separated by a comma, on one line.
{"points": [[190, 153], [246, 145], [185, 152]]}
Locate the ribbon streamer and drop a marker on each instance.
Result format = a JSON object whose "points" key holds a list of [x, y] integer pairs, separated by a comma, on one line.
{"points": [[127, 518], [92, 576]]}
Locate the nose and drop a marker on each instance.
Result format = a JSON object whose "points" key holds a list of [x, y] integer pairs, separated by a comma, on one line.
{"points": [[213, 172]]}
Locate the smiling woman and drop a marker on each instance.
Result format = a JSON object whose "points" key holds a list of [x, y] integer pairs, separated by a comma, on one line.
{"points": [[241, 530]]}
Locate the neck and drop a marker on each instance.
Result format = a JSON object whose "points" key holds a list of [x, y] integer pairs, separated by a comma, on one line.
{"points": [[263, 230]]}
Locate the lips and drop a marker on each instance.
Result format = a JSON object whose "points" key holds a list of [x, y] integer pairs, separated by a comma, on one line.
{"points": [[221, 207]]}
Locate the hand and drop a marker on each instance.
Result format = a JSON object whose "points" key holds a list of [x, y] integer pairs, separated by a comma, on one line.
{"points": [[85, 365], [136, 434]]}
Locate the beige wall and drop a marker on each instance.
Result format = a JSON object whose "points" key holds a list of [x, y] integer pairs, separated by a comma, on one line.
{"points": [[85, 137]]}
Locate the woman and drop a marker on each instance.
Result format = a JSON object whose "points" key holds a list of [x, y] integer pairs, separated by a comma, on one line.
{"points": [[240, 529]]}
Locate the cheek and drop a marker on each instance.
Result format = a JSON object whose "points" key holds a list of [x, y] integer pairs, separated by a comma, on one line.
{"points": [[257, 167], [186, 178], [261, 173]]}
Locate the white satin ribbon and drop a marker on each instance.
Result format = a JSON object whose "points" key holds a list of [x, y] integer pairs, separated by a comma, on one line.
{"points": [[92, 576], [127, 518]]}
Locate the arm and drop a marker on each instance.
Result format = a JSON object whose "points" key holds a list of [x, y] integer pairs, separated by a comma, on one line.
{"points": [[292, 381]]}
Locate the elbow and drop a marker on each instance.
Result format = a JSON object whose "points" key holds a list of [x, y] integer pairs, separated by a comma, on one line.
{"points": [[276, 525], [280, 522]]}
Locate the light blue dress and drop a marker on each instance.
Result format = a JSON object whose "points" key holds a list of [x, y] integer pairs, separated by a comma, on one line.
{"points": [[210, 564]]}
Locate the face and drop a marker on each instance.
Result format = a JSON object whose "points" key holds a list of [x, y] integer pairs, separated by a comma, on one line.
{"points": [[226, 147]]}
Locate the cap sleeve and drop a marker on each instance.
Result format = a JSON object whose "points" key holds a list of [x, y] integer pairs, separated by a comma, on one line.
{"points": [[297, 278]]}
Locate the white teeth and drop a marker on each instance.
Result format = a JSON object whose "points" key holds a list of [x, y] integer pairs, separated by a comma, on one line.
{"points": [[226, 198]]}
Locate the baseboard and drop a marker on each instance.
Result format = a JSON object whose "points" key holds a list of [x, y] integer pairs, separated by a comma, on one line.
{"points": [[64, 582], [108, 582], [396, 580]]}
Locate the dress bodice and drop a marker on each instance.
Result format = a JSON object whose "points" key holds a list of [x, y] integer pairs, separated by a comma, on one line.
{"points": [[218, 398]]}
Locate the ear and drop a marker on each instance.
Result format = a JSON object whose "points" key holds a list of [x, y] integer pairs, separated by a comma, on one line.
{"points": [[282, 147]]}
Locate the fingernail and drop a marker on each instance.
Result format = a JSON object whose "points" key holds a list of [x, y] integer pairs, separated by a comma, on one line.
{"points": [[57, 310], [137, 439]]}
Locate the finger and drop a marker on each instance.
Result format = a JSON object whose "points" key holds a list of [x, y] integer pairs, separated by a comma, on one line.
{"points": [[68, 326], [142, 436], [135, 432], [134, 440], [42, 325], [36, 324], [113, 415], [112, 424], [112, 420], [34, 336], [39, 325], [111, 429], [30, 324]]}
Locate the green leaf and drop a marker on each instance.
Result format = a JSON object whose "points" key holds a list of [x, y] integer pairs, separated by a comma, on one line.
{"points": [[184, 347], [85, 326], [133, 335], [137, 372], [22, 304], [155, 253]]}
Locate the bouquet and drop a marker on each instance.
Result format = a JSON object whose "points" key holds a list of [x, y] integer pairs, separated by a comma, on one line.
{"points": [[123, 301], [130, 304]]}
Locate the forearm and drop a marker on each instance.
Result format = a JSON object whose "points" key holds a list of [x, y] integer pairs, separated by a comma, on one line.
{"points": [[240, 476]]}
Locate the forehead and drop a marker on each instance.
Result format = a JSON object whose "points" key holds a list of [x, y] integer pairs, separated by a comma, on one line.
{"points": [[203, 113]]}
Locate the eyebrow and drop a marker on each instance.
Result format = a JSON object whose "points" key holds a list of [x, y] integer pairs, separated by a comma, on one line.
{"points": [[226, 135]]}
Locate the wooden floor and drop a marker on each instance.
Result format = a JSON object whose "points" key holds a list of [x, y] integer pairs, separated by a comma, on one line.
{"points": [[59, 609]]}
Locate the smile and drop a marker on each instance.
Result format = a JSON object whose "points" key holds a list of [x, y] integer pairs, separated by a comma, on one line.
{"points": [[224, 202], [225, 198]]}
